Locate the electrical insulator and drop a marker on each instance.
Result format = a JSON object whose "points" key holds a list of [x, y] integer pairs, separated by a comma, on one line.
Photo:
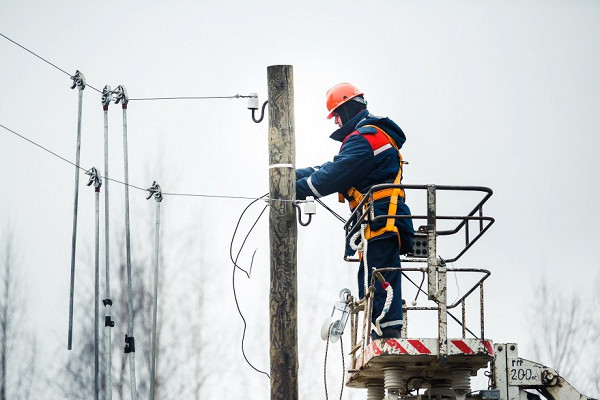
{"points": [[253, 102], [310, 207]]}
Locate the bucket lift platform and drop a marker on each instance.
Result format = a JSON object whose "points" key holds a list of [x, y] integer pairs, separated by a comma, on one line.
{"points": [[420, 358], [440, 364]]}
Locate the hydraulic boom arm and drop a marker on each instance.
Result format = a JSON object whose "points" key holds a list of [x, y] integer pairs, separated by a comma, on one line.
{"points": [[512, 375]]}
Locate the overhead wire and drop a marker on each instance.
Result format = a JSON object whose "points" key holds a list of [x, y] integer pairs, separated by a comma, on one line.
{"points": [[216, 196], [42, 147], [38, 56], [236, 96]]}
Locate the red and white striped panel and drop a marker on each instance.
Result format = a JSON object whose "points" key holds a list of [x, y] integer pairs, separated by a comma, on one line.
{"points": [[470, 346], [428, 346]]}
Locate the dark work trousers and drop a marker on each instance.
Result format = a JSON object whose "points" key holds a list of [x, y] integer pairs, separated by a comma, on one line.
{"points": [[383, 253]]}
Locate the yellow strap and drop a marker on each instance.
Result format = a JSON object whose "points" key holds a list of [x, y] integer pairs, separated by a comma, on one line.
{"points": [[393, 193]]}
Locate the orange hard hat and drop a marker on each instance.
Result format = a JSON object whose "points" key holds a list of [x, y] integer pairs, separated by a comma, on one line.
{"points": [[339, 94]]}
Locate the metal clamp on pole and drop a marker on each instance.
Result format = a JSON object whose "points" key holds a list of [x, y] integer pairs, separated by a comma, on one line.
{"points": [[129, 344], [121, 96], [94, 178], [78, 81], [107, 97], [108, 321], [253, 105], [155, 191]]}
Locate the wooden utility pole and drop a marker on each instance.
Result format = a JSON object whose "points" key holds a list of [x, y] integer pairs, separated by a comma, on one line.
{"points": [[283, 233]]}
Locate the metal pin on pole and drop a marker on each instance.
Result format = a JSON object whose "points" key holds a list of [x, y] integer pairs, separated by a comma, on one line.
{"points": [[121, 97], [108, 322], [97, 182], [79, 83], [157, 193]]}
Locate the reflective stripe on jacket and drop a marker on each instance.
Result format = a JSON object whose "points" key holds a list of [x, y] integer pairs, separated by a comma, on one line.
{"points": [[366, 158]]}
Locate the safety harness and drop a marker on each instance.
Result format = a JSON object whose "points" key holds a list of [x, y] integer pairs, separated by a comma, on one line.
{"points": [[379, 141]]}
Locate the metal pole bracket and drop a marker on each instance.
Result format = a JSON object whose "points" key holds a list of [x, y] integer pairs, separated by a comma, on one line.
{"points": [[155, 191], [121, 96], [78, 81], [94, 178], [107, 96]]}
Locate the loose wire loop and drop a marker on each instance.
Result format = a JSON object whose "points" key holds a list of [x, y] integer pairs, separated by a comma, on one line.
{"points": [[300, 216], [262, 113], [236, 267]]}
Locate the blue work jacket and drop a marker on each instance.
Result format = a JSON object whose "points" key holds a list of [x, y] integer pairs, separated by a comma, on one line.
{"points": [[360, 164]]}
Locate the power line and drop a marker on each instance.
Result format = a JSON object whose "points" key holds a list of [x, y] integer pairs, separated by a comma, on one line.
{"points": [[236, 96], [38, 56], [218, 196], [42, 147], [46, 61]]}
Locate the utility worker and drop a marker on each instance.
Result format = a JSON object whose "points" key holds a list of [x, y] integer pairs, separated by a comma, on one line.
{"points": [[369, 155]]}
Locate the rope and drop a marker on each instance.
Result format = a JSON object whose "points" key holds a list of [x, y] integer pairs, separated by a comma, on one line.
{"points": [[386, 307], [325, 364]]}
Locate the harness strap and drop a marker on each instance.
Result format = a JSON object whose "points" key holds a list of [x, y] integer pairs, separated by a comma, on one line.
{"points": [[395, 195]]}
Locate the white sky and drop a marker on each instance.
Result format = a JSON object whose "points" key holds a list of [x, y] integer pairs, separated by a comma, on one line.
{"points": [[498, 94]]}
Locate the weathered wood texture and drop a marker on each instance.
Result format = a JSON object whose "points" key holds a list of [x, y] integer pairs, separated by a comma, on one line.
{"points": [[283, 235]]}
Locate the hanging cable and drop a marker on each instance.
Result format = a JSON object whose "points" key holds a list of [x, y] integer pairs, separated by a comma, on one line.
{"points": [[107, 301], [236, 267], [157, 194], [79, 82], [244, 241], [97, 182], [325, 363]]}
